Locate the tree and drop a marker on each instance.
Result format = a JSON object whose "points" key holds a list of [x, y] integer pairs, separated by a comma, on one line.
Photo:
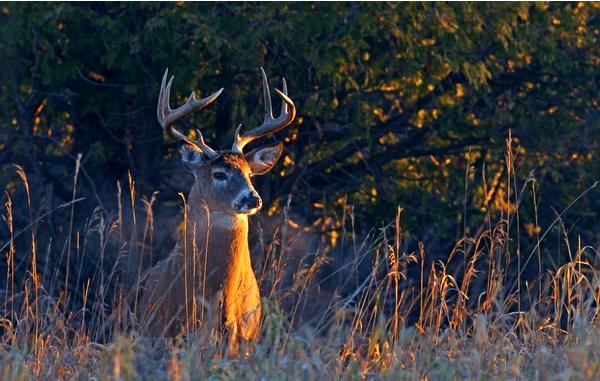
{"points": [[395, 101]]}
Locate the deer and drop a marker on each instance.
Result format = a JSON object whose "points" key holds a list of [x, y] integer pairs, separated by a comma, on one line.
{"points": [[211, 263]]}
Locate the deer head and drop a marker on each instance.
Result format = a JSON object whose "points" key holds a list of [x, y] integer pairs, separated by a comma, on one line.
{"points": [[223, 178]]}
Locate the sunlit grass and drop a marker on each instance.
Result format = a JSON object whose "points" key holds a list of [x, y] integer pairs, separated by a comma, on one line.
{"points": [[473, 323]]}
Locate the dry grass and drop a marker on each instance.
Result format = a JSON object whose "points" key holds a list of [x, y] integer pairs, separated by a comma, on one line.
{"points": [[476, 321]]}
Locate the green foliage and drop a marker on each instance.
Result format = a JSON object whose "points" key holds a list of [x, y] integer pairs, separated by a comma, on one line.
{"points": [[391, 98]]}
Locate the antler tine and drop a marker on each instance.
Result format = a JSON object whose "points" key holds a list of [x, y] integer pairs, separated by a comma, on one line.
{"points": [[167, 116], [203, 146], [270, 124], [284, 107], [266, 95], [160, 109]]}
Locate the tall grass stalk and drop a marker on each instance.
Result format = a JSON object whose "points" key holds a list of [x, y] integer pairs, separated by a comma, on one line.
{"points": [[471, 315]]}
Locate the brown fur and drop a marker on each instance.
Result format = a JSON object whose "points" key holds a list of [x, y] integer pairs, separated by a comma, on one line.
{"points": [[209, 272]]}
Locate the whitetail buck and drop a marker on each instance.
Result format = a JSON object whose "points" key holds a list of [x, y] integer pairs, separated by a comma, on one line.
{"points": [[211, 262]]}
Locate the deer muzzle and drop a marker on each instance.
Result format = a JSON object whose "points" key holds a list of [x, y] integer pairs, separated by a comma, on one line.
{"points": [[248, 203]]}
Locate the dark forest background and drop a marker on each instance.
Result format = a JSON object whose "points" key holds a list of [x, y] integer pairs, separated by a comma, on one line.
{"points": [[399, 104]]}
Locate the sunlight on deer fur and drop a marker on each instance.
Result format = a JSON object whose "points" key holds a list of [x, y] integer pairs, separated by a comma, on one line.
{"points": [[456, 334], [176, 321], [210, 271], [422, 204]]}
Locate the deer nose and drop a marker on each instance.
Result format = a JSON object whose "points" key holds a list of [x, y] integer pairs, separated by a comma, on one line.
{"points": [[252, 201]]}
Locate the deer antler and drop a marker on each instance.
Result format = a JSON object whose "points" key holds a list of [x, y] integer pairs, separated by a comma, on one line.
{"points": [[166, 116], [270, 124]]}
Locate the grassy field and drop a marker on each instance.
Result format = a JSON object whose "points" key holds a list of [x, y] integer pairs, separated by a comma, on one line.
{"points": [[476, 321], [434, 214]]}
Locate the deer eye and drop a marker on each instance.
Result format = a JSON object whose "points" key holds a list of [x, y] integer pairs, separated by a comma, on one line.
{"points": [[219, 176]]}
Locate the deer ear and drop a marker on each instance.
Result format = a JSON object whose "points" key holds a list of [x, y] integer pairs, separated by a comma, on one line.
{"points": [[191, 158], [262, 160]]}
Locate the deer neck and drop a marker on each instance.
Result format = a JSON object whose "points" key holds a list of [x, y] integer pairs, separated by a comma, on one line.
{"points": [[224, 237], [224, 231]]}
